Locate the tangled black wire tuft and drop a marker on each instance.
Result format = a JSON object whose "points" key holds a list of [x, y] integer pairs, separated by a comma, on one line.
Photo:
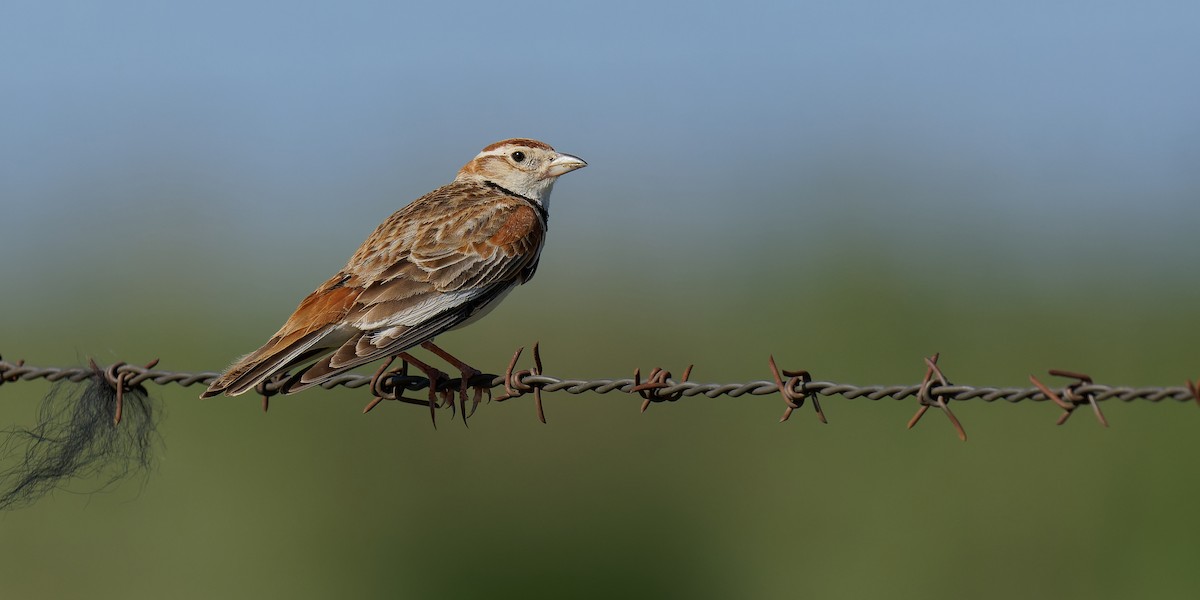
{"points": [[75, 437]]}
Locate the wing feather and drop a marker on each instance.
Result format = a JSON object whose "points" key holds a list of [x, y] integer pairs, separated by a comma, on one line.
{"points": [[368, 347]]}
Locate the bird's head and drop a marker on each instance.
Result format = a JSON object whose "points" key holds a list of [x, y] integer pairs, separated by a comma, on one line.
{"points": [[527, 167]]}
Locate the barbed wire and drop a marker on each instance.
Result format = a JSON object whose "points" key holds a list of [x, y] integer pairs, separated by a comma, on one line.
{"points": [[796, 387]]}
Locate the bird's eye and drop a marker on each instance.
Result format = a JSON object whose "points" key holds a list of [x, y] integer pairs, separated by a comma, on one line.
{"points": [[518, 156]]}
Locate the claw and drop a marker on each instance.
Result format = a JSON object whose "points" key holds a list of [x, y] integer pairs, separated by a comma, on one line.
{"points": [[466, 373], [435, 381]]}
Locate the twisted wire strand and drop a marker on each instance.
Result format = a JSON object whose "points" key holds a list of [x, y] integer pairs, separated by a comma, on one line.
{"points": [[77, 434], [137, 375]]}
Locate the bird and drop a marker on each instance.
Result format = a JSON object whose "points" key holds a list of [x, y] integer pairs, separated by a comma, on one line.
{"points": [[440, 263]]}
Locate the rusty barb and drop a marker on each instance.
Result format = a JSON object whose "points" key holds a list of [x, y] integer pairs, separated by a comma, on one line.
{"points": [[796, 387], [795, 391], [653, 390], [929, 396], [516, 384], [123, 380], [1074, 395]]}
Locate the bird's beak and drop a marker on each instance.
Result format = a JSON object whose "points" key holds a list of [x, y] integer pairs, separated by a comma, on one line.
{"points": [[563, 164]]}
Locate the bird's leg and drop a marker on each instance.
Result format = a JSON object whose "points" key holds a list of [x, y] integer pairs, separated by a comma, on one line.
{"points": [[435, 378], [466, 372]]}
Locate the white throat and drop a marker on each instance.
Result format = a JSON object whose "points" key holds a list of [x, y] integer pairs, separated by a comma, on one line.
{"points": [[535, 190]]}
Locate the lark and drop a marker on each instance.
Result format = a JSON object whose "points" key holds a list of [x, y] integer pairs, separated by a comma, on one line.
{"points": [[438, 264]]}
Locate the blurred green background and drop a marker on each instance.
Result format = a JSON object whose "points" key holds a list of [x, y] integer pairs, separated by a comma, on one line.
{"points": [[850, 186]]}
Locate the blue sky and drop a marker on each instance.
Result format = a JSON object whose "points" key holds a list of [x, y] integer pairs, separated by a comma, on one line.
{"points": [[237, 113]]}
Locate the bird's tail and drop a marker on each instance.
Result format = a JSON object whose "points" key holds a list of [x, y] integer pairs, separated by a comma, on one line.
{"points": [[276, 356]]}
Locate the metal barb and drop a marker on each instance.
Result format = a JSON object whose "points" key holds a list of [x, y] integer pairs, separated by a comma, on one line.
{"points": [[794, 391], [379, 384], [537, 390], [110, 376], [272, 386], [515, 385], [1070, 399], [117, 376], [928, 399], [1194, 388], [650, 391]]}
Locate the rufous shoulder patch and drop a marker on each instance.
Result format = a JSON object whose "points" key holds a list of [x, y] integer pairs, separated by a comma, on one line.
{"points": [[519, 224]]}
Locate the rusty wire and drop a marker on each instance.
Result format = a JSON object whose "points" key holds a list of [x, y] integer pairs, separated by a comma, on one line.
{"points": [[19, 371], [935, 390]]}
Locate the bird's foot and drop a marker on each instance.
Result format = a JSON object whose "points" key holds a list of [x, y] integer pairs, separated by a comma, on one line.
{"points": [[465, 385], [436, 378], [467, 373]]}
